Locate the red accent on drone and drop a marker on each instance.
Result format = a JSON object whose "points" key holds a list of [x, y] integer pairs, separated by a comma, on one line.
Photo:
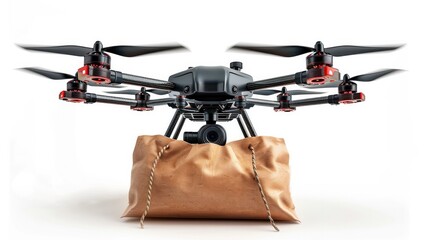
{"points": [[284, 109], [70, 96], [350, 97], [62, 95], [142, 108], [84, 74], [75, 100], [320, 74], [84, 70]]}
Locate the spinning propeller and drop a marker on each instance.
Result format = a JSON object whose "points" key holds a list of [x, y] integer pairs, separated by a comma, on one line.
{"points": [[97, 63], [121, 50], [294, 50], [347, 89], [319, 63], [63, 76], [371, 76]]}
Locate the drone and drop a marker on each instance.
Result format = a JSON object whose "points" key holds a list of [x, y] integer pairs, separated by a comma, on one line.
{"points": [[211, 94]]}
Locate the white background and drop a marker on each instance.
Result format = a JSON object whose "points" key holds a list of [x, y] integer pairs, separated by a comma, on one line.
{"points": [[356, 170]]}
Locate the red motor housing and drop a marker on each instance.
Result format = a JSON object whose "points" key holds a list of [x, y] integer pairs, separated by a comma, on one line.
{"points": [[76, 92], [94, 73], [350, 97], [321, 74], [72, 96]]}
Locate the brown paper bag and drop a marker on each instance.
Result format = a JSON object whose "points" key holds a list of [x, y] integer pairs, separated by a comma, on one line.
{"points": [[209, 180]]}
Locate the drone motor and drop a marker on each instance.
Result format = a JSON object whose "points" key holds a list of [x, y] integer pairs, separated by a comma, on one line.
{"points": [[284, 98], [96, 67], [142, 97], [348, 92], [319, 66], [76, 92]]}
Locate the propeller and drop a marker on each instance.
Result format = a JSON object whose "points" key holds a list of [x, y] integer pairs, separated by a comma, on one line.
{"points": [[62, 76], [374, 75], [122, 50], [134, 91], [368, 77], [295, 50], [290, 92]]}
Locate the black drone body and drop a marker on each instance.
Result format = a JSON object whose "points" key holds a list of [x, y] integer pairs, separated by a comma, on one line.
{"points": [[211, 83], [207, 93]]}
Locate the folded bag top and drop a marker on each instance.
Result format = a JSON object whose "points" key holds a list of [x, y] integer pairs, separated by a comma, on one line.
{"points": [[209, 180]]}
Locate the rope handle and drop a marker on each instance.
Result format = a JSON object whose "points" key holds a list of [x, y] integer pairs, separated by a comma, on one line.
{"points": [[261, 190], [149, 190]]}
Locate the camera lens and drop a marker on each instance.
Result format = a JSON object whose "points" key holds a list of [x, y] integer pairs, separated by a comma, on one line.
{"points": [[212, 136], [212, 133]]}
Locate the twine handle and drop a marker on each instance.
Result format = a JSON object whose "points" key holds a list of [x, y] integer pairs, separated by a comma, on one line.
{"points": [[261, 190], [149, 189]]}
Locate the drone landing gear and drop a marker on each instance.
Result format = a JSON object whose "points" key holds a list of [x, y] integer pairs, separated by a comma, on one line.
{"points": [[211, 132], [244, 117], [179, 127], [242, 127], [177, 115]]}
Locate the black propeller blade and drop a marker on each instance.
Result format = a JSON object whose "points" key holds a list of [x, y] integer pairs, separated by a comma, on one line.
{"points": [[133, 51], [67, 49], [293, 50], [347, 50], [284, 51], [375, 75], [49, 74], [122, 50], [290, 92], [134, 91], [62, 76]]}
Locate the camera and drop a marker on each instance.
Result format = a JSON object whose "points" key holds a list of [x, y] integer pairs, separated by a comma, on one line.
{"points": [[210, 133]]}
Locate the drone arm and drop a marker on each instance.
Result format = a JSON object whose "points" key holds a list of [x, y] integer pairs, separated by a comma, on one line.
{"points": [[119, 77], [331, 99], [92, 98], [272, 82], [262, 102], [161, 101]]}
